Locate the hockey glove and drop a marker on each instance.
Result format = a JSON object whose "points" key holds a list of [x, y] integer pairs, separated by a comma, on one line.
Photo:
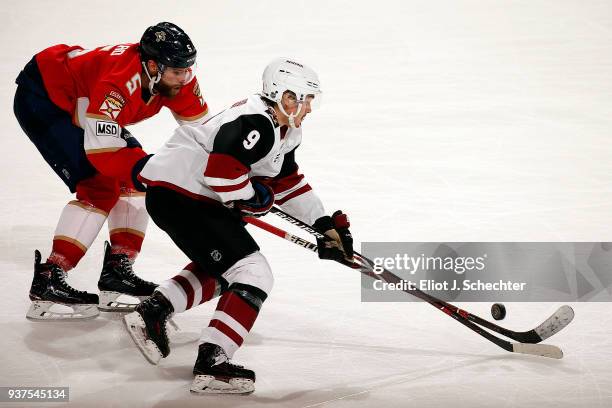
{"points": [[259, 204], [337, 228], [129, 139], [136, 171]]}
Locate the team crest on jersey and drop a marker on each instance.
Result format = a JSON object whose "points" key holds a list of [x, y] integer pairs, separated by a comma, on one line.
{"points": [[116, 95], [198, 93], [111, 106]]}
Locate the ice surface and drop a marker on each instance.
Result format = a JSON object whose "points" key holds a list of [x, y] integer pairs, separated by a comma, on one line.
{"points": [[466, 120]]}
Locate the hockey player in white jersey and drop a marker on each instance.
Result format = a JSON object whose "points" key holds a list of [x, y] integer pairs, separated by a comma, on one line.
{"points": [[199, 185]]}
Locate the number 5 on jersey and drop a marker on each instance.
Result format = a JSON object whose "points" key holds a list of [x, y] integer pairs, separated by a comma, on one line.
{"points": [[251, 139], [133, 84]]}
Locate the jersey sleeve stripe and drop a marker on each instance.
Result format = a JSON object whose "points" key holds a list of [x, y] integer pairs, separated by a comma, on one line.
{"points": [[227, 194], [190, 118], [229, 188], [294, 194], [218, 181], [288, 188], [104, 150]]}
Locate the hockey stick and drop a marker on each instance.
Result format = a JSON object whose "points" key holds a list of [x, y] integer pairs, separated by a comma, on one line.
{"points": [[365, 266], [555, 323]]}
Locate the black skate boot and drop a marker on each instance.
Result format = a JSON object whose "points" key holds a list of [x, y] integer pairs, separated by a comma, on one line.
{"points": [[118, 278], [147, 326], [214, 374], [49, 287]]}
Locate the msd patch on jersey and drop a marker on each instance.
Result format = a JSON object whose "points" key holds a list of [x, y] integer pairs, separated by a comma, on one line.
{"points": [[111, 107], [107, 129]]}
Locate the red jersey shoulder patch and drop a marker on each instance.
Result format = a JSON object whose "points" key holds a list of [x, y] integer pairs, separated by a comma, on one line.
{"points": [[112, 104]]}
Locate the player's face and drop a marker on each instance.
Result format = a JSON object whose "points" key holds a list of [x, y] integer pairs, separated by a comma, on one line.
{"points": [[293, 107], [172, 80]]}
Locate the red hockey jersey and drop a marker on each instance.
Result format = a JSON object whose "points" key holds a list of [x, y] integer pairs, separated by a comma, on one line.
{"points": [[101, 89]]}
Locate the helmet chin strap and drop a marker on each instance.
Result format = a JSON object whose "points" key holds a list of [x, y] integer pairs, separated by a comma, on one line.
{"points": [[290, 118], [152, 81]]}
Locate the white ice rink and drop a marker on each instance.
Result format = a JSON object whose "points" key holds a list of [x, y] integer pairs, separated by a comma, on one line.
{"points": [[457, 120]]}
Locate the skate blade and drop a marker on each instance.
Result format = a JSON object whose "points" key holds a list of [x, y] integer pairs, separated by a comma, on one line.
{"points": [[208, 384], [136, 327], [41, 310], [118, 302]]}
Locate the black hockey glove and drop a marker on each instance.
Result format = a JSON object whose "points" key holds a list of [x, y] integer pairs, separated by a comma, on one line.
{"points": [[259, 204], [129, 139], [136, 171], [336, 227]]}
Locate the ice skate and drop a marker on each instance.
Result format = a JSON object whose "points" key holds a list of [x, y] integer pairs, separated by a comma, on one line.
{"points": [[120, 289], [147, 326], [50, 293], [214, 374]]}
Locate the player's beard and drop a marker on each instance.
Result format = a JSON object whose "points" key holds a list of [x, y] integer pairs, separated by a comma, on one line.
{"points": [[166, 90]]}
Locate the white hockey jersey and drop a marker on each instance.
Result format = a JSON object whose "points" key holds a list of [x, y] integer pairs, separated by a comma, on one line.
{"points": [[216, 160]]}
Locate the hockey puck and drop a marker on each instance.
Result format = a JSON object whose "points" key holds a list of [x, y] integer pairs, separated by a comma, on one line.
{"points": [[498, 311]]}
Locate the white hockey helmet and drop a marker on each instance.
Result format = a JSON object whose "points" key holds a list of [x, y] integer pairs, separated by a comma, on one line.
{"points": [[284, 74]]}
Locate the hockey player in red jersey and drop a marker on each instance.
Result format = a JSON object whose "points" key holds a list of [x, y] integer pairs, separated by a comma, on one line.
{"points": [[74, 104], [199, 185]]}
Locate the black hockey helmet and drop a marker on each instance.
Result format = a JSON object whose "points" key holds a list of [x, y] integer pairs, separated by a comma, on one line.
{"points": [[168, 45]]}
